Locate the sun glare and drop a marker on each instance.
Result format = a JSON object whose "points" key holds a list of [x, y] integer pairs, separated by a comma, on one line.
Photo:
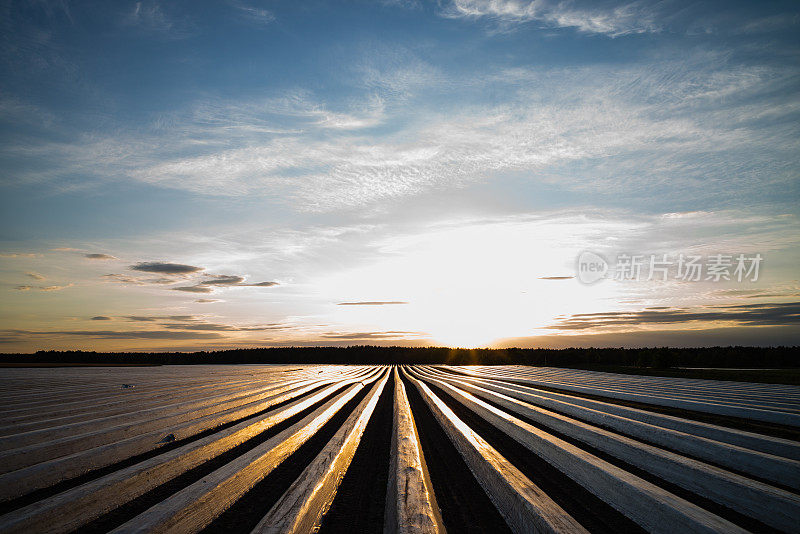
{"points": [[472, 285]]}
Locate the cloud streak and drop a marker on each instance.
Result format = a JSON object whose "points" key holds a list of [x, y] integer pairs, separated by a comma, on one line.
{"points": [[149, 16], [207, 286], [153, 318], [177, 272], [165, 268], [372, 303], [137, 281], [120, 334], [775, 314], [255, 15], [18, 255], [366, 336], [194, 289], [223, 280], [46, 289], [611, 19]]}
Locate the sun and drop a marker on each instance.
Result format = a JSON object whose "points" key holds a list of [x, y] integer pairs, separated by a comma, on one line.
{"points": [[461, 336], [469, 286], [465, 323]]}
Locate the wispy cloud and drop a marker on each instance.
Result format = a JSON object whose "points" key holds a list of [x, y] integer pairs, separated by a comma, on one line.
{"points": [[608, 18], [293, 111], [790, 291], [162, 267], [232, 335], [233, 281], [54, 288], [16, 111], [149, 15], [777, 314], [407, 4], [35, 276], [372, 303], [685, 130], [194, 289], [207, 286], [97, 256], [46, 289], [701, 124], [771, 23], [223, 280], [18, 255], [136, 280], [173, 273], [222, 327], [194, 322], [154, 318], [367, 336], [253, 14], [121, 334]]}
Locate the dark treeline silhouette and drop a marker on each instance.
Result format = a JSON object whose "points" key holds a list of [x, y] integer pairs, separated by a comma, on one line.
{"points": [[660, 358]]}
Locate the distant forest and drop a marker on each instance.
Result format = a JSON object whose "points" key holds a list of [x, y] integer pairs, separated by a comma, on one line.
{"points": [[659, 358]]}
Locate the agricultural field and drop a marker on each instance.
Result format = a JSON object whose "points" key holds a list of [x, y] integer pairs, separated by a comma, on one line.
{"points": [[335, 448]]}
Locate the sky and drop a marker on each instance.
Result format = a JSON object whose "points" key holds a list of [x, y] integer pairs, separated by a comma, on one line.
{"points": [[206, 175]]}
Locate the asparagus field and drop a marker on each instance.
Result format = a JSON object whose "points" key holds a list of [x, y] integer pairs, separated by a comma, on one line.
{"points": [[336, 448]]}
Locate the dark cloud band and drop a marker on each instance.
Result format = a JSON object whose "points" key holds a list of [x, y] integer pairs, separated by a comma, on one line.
{"points": [[165, 268], [372, 303], [769, 314]]}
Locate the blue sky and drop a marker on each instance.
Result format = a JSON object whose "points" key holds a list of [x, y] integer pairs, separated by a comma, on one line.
{"points": [[451, 158]]}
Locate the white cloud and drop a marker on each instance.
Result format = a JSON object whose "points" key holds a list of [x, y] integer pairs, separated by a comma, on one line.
{"points": [[635, 131], [397, 76], [771, 23], [406, 4], [611, 20], [17, 112], [43, 288], [646, 124], [256, 15], [294, 112], [18, 255], [151, 17]]}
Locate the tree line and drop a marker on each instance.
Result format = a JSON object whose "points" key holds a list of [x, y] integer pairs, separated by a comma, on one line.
{"points": [[655, 357]]}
